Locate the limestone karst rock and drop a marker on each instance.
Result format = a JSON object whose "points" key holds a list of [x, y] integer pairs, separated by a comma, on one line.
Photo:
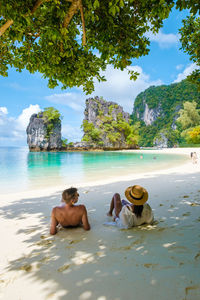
{"points": [[157, 108], [38, 137], [103, 118]]}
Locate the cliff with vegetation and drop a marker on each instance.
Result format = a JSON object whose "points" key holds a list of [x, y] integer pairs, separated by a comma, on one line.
{"points": [[158, 109], [106, 125], [44, 131]]}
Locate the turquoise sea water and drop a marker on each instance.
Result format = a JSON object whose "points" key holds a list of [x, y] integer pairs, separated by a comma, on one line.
{"points": [[22, 170]]}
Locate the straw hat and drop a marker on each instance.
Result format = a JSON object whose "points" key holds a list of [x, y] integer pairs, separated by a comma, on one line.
{"points": [[136, 194]]}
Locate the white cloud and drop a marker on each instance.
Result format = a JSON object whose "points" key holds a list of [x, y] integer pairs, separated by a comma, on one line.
{"points": [[73, 134], [24, 118], [164, 40], [72, 100], [179, 67], [3, 111], [76, 102], [13, 130], [188, 70], [119, 88], [5, 123]]}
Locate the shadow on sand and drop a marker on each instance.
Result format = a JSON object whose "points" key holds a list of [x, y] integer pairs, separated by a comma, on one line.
{"points": [[160, 261]]}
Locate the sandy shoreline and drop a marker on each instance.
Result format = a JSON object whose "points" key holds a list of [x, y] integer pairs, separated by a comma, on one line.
{"points": [[158, 262]]}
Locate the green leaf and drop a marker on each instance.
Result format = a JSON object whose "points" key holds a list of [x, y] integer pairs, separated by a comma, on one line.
{"points": [[96, 4]]}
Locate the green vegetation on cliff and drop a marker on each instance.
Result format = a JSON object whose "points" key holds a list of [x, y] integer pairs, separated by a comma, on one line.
{"points": [[189, 37], [165, 103], [91, 134], [189, 120], [110, 127], [51, 117]]}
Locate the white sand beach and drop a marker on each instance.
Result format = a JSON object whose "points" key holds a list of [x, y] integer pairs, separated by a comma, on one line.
{"points": [[159, 261]]}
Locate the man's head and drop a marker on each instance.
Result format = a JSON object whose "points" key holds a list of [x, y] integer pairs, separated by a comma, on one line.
{"points": [[69, 195]]}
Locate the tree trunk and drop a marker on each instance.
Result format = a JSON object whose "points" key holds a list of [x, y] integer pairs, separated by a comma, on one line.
{"points": [[5, 27]]}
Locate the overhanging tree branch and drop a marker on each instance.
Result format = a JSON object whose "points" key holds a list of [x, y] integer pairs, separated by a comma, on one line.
{"points": [[71, 12], [10, 22], [83, 23], [5, 27], [76, 4], [37, 4], [115, 29]]}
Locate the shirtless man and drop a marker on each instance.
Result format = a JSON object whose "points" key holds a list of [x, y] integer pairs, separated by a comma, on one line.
{"points": [[69, 215]]}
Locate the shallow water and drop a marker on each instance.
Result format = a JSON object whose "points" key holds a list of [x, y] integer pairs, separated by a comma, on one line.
{"points": [[22, 170]]}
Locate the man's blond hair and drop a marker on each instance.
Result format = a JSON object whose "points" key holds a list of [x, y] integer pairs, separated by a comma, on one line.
{"points": [[69, 194]]}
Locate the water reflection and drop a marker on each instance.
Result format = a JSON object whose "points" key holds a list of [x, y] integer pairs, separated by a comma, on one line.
{"points": [[43, 160]]}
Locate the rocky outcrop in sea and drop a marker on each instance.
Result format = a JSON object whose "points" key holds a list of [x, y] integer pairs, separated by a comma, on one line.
{"points": [[40, 138], [103, 118]]}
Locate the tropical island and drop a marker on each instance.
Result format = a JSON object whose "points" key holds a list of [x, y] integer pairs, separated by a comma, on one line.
{"points": [[163, 116], [70, 43]]}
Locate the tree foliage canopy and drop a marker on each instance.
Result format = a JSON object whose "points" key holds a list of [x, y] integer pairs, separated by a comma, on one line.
{"points": [[51, 117], [190, 39], [193, 135], [167, 101], [190, 122], [189, 115], [45, 36]]}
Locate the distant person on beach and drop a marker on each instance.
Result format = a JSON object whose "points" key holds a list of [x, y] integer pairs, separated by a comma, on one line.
{"points": [[194, 157], [133, 212], [69, 214]]}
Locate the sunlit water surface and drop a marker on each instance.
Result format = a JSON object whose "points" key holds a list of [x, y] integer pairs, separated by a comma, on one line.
{"points": [[23, 170]]}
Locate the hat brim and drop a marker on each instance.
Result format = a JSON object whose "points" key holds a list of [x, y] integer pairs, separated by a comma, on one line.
{"points": [[135, 201]]}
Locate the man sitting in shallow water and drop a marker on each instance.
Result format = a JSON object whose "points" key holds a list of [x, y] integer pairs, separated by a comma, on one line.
{"points": [[69, 215]]}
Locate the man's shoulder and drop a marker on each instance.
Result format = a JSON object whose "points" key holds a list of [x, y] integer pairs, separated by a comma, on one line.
{"points": [[81, 207], [56, 208]]}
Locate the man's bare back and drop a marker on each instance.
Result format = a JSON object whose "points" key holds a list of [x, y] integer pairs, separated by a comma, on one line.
{"points": [[69, 214]]}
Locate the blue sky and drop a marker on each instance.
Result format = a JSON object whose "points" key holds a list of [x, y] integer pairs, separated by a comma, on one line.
{"points": [[23, 94]]}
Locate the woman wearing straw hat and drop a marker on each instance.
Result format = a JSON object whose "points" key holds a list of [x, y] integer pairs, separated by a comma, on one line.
{"points": [[133, 212]]}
